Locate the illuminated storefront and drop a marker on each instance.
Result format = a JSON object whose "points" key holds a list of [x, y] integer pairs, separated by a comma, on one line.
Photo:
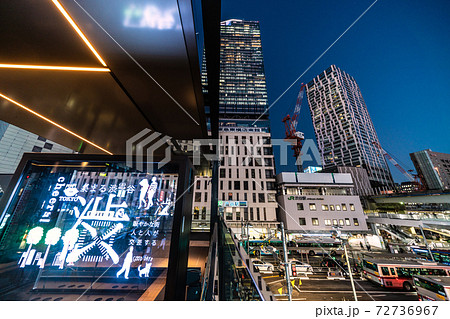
{"points": [[79, 229]]}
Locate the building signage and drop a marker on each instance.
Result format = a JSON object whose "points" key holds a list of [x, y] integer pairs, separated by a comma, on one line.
{"points": [[296, 197], [232, 203], [303, 198]]}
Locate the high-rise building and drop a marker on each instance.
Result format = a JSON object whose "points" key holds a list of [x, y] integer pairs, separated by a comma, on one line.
{"points": [[344, 131], [243, 92], [433, 169], [247, 170]]}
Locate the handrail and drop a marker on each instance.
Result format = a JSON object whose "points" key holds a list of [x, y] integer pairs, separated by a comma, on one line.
{"points": [[210, 271], [244, 263]]}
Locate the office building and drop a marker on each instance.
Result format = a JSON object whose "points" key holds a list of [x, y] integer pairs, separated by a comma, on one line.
{"points": [[247, 189], [243, 92], [433, 169], [315, 203], [247, 170], [344, 131]]}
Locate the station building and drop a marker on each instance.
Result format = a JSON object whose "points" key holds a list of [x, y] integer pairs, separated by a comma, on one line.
{"points": [[315, 203]]}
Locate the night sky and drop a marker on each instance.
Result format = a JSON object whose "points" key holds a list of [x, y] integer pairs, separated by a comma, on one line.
{"points": [[398, 52]]}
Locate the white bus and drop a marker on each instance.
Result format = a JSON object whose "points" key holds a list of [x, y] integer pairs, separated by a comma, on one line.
{"points": [[432, 288], [392, 273], [318, 246]]}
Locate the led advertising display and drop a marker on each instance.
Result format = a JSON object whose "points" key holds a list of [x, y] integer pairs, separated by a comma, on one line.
{"points": [[85, 228]]}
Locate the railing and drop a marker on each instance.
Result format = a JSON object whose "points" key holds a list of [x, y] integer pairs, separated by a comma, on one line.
{"points": [[209, 278], [227, 274], [442, 218]]}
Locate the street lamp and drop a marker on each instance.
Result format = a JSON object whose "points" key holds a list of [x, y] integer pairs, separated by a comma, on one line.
{"points": [[337, 228]]}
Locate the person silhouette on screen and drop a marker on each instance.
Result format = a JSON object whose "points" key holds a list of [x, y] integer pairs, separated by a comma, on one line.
{"points": [[144, 188], [151, 192], [126, 264]]}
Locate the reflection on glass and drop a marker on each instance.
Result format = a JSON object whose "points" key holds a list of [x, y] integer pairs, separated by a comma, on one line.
{"points": [[153, 15]]}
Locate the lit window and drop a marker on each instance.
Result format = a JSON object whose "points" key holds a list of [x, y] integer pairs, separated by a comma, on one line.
{"points": [[312, 206], [324, 207], [355, 221], [315, 221], [196, 212], [352, 207], [327, 222]]}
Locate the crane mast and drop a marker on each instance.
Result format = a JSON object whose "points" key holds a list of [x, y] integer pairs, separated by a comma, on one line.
{"points": [[411, 178], [290, 125]]}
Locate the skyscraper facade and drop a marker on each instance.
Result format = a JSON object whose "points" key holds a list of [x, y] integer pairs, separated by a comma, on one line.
{"points": [[243, 91], [433, 169], [247, 170], [344, 130]]}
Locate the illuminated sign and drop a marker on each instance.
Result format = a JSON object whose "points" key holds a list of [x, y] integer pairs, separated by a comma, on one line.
{"points": [[89, 219], [232, 204], [50, 206], [312, 169]]}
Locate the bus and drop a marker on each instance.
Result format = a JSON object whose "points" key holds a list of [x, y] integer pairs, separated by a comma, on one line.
{"points": [[264, 247], [432, 288], [392, 273], [320, 246], [440, 256]]}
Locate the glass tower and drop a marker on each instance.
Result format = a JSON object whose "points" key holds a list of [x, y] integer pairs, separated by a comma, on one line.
{"points": [[344, 131], [243, 92]]}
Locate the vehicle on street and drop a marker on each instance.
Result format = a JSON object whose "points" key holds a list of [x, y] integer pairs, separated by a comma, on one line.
{"points": [[261, 265], [432, 288], [393, 273], [320, 246], [439, 255], [300, 266]]}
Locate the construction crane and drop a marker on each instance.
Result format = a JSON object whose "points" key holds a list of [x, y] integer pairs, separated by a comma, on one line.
{"points": [[290, 125], [410, 177]]}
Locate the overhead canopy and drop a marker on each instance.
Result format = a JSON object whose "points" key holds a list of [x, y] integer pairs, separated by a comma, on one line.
{"points": [[141, 70]]}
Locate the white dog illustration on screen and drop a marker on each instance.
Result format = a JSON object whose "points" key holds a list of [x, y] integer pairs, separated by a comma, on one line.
{"points": [[145, 271]]}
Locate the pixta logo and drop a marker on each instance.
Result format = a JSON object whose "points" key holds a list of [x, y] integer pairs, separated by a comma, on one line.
{"points": [[143, 146]]}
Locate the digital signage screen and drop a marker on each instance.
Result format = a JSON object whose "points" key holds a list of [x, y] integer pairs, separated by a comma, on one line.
{"points": [[86, 229]]}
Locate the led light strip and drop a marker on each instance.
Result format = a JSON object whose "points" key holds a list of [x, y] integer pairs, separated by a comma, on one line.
{"points": [[69, 19], [49, 67], [54, 123]]}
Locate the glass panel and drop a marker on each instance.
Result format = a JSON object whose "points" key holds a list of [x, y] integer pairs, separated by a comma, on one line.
{"points": [[385, 271], [237, 281]]}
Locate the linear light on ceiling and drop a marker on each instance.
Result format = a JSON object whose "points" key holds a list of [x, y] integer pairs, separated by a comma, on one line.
{"points": [[51, 67], [73, 24], [54, 123]]}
